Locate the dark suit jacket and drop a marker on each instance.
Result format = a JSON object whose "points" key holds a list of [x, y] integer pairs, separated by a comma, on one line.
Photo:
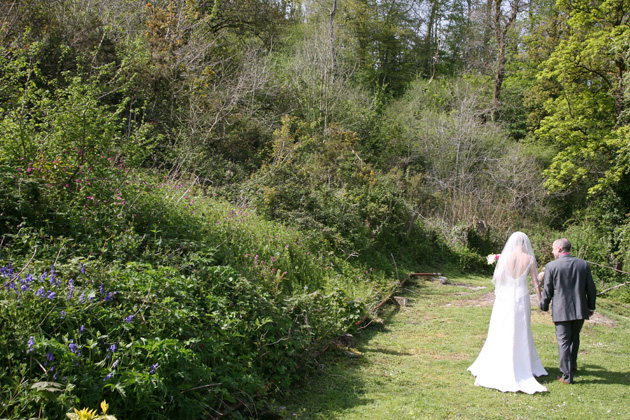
{"points": [[569, 283]]}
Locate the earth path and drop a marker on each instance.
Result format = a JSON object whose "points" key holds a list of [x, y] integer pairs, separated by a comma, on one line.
{"points": [[413, 362]]}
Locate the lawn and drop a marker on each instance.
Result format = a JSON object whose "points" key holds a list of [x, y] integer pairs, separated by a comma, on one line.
{"points": [[413, 364]]}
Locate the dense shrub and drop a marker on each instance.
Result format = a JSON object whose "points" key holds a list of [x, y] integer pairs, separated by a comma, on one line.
{"points": [[153, 342]]}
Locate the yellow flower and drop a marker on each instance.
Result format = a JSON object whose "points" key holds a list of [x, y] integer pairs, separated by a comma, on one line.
{"points": [[104, 407], [85, 414]]}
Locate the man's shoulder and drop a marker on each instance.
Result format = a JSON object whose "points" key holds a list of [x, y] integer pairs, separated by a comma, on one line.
{"points": [[552, 264], [566, 261]]}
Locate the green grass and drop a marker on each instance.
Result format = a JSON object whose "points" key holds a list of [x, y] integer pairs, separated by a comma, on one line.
{"points": [[413, 365]]}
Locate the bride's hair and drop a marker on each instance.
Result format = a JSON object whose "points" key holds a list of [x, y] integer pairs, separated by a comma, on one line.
{"points": [[516, 258]]}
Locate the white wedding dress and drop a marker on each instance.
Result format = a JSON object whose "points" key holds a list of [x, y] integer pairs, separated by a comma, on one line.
{"points": [[508, 360]]}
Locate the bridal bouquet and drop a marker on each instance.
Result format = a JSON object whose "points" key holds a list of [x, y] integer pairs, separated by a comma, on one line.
{"points": [[492, 258]]}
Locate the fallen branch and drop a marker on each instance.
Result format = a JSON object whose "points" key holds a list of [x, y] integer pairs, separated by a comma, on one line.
{"points": [[612, 268], [613, 288]]}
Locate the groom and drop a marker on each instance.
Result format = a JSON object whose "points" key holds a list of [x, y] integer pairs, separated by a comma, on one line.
{"points": [[569, 284]]}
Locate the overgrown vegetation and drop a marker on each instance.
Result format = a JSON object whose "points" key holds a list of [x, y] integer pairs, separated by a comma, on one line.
{"points": [[196, 195]]}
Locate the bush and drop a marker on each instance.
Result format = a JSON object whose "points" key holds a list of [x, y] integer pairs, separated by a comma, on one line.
{"points": [[151, 340]]}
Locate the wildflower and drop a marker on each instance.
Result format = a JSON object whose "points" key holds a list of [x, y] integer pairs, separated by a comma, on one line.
{"points": [[82, 269], [112, 348], [115, 364], [109, 376], [81, 329], [31, 343], [51, 295], [154, 368], [49, 356], [129, 318], [74, 349], [63, 314], [109, 296]]}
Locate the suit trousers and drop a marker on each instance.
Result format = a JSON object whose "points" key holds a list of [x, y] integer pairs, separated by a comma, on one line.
{"points": [[568, 336]]}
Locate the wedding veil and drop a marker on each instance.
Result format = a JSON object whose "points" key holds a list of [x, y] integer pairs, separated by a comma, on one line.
{"points": [[515, 260]]}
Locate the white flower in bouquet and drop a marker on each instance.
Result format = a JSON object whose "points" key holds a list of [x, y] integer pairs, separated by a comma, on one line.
{"points": [[492, 258]]}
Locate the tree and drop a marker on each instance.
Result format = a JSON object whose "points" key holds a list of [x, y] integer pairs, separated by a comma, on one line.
{"points": [[587, 110], [503, 18]]}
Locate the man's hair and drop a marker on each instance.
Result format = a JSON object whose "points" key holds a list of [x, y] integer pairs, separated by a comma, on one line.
{"points": [[564, 244]]}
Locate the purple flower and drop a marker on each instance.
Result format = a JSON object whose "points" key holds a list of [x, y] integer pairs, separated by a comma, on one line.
{"points": [[115, 364], [81, 329], [82, 269], [31, 343], [51, 295], [109, 376], [112, 348], [129, 318], [109, 296], [49, 356], [74, 349], [154, 368]]}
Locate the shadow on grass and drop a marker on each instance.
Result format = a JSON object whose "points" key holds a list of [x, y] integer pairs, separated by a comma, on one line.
{"points": [[339, 384], [589, 374]]}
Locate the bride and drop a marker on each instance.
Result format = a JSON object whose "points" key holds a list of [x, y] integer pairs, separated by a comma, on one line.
{"points": [[508, 360]]}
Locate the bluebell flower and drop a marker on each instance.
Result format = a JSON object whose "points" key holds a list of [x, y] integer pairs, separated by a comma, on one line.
{"points": [[112, 348], [31, 343], [129, 318], [109, 376], [100, 289], [115, 364], [81, 329], [51, 295], [109, 296], [74, 349], [49, 356], [63, 314], [40, 292], [154, 368], [82, 269]]}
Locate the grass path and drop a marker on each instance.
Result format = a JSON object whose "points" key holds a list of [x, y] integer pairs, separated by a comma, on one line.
{"points": [[413, 364]]}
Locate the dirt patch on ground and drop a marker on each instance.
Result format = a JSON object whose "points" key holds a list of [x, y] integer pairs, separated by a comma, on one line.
{"points": [[600, 319], [487, 299]]}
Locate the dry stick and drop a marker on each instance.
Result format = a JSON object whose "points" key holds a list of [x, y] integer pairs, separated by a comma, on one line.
{"points": [[614, 287], [612, 268], [28, 263], [238, 405]]}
